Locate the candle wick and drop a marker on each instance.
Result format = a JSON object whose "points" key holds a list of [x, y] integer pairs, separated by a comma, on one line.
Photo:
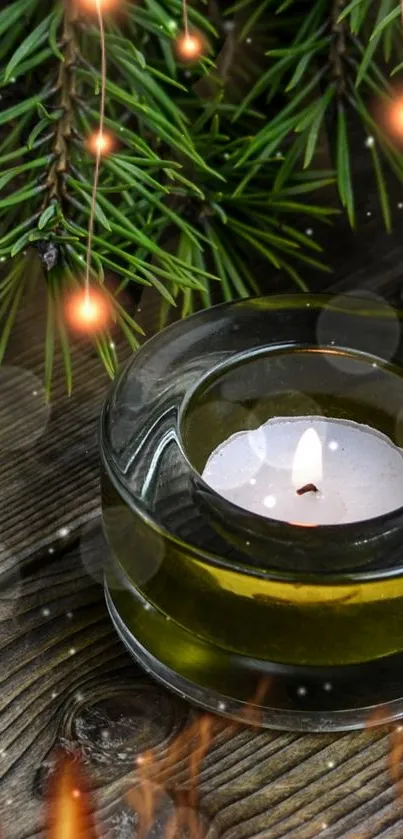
{"points": [[307, 488]]}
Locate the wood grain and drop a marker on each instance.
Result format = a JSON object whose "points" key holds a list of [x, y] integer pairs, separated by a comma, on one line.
{"points": [[66, 681]]}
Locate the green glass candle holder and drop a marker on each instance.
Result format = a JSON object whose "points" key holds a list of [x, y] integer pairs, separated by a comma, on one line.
{"points": [[233, 609]]}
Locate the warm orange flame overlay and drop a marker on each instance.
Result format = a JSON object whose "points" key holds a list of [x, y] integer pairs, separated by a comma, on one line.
{"points": [[396, 759], [185, 754], [88, 311], [379, 719], [70, 809]]}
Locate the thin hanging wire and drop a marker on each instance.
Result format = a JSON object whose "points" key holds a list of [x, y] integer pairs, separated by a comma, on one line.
{"points": [[98, 149], [186, 20]]}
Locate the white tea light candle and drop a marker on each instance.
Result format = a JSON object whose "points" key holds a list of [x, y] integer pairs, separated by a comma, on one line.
{"points": [[309, 471]]}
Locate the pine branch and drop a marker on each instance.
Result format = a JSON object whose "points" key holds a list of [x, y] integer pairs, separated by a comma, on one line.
{"points": [[63, 126], [338, 47], [193, 191]]}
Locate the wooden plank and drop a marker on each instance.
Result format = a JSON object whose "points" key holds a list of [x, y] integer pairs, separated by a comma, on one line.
{"points": [[66, 681]]}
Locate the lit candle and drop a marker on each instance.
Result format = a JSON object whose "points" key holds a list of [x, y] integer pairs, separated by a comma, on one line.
{"points": [[309, 471]]}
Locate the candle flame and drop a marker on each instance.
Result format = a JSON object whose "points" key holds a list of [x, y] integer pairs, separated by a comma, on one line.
{"points": [[307, 466]]}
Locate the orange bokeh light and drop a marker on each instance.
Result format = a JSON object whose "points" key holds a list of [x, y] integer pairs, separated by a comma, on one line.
{"points": [[88, 311], [97, 5], [394, 116], [189, 47], [100, 143]]}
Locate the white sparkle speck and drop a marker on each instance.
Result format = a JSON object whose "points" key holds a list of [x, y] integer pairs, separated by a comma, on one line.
{"points": [[51, 551], [249, 40], [221, 706], [72, 651], [9, 801], [112, 345], [54, 694], [324, 826], [333, 446], [309, 231], [252, 481], [369, 142], [328, 686], [69, 615], [301, 691], [400, 205], [45, 612], [269, 501], [63, 532], [331, 764], [34, 393], [369, 213]]}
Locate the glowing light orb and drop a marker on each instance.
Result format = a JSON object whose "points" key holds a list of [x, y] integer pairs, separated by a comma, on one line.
{"points": [[394, 116], [97, 5], [189, 47], [88, 311], [100, 143]]}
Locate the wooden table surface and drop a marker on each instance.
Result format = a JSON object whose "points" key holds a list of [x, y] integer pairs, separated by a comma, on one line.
{"points": [[66, 680]]}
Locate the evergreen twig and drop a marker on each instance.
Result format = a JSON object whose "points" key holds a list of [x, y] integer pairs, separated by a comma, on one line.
{"points": [[203, 182]]}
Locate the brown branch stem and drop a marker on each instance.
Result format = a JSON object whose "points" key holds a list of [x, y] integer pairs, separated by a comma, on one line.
{"points": [[338, 46], [65, 88]]}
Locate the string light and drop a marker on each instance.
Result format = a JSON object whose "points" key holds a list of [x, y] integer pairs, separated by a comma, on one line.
{"points": [[189, 45], [88, 311], [92, 5], [100, 143], [394, 116]]}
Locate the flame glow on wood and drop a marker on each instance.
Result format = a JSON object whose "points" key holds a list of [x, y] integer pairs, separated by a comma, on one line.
{"points": [[70, 808], [185, 754]]}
